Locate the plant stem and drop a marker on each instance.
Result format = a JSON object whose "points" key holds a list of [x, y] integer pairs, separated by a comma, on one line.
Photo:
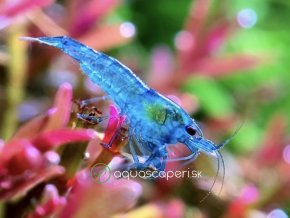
{"points": [[17, 66]]}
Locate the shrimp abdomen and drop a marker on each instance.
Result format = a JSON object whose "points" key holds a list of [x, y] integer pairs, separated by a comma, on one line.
{"points": [[118, 81]]}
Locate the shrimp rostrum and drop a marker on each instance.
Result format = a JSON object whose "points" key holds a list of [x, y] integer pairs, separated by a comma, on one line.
{"points": [[154, 121]]}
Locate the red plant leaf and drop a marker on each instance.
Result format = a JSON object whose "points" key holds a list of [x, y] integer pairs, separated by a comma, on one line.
{"points": [[195, 26], [225, 65], [236, 209], [240, 205], [51, 206], [20, 186], [93, 200], [202, 46], [274, 142], [162, 66], [174, 208], [94, 149], [21, 6], [55, 118], [27, 158], [216, 37], [19, 155], [198, 17], [108, 36], [62, 107], [33, 127], [51, 139], [85, 14], [114, 125]]}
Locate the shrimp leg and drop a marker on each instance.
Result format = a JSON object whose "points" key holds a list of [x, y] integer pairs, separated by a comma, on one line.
{"points": [[157, 159], [91, 118], [140, 147], [94, 100], [192, 156], [133, 152], [160, 158]]}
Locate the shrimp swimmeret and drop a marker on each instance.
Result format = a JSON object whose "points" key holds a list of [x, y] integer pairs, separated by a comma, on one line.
{"points": [[154, 121]]}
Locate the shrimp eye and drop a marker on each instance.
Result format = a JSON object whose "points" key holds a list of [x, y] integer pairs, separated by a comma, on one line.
{"points": [[190, 130]]}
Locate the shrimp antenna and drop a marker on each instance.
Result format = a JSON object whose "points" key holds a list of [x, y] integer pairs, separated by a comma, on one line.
{"points": [[230, 138], [224, 172], [219, 156]]}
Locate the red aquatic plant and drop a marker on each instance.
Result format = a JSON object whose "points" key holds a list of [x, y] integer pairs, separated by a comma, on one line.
{"points": [[10, 11], [198, 53], [90, 199], [51, 203], [113, 135], [115, 138], [29, 157]]}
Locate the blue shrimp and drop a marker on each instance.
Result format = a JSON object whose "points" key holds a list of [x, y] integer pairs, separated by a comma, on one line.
{"points": [[154, 121]]}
